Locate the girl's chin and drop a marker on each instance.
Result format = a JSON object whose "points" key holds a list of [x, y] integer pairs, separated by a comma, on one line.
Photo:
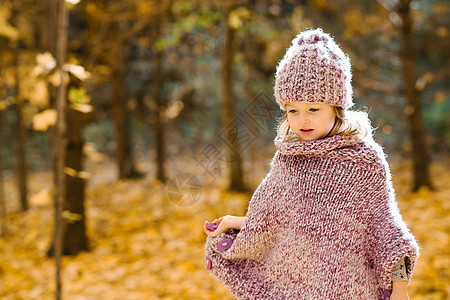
{"points": [[307, 139], [308, 136]]}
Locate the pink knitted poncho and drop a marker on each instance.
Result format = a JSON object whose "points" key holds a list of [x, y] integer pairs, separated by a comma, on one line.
{"points": [[323, 224]]}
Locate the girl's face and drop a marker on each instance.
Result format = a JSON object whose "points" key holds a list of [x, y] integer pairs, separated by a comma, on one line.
{"points": [[310, 121]]}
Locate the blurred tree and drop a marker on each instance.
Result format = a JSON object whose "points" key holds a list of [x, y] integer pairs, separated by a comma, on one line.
{"points": [[2, 190], [160, 157], [12, 30], [124, 153], [115, 24], [416, 127], [79, 113], [60, 141], [76, 115], [233, 132], [21, 161]]}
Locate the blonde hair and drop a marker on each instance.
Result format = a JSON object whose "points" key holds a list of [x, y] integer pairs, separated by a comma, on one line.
{"points": [[346, 123]]}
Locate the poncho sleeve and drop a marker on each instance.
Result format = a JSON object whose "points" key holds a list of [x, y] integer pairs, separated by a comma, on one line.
{"points": [[255, 235], [236, 266], [389, 239]]}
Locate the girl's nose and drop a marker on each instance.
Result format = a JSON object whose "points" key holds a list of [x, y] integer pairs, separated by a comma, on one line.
{"points": [[303, 119]]}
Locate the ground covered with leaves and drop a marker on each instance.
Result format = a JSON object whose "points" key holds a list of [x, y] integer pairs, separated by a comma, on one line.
{"points": [[144, 246]]}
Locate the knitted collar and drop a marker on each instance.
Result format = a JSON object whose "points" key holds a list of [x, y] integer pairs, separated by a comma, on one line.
{"points": [[319, 147]]}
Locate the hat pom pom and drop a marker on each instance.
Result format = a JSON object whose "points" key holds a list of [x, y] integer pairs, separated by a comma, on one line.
{"points": [[312, 37]]}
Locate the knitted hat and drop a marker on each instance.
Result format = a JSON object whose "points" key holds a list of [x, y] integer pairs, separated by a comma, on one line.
{"points": [[314, 69]]}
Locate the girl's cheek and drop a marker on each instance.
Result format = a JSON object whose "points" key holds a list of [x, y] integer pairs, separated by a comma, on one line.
{"points": [[290, 121]]}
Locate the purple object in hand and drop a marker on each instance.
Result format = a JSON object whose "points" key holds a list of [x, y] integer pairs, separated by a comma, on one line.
{"points": [[387, 295], [224, 244], [211, 226]]}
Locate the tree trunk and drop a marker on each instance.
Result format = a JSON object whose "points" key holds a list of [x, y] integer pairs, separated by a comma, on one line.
{"points": [[75, 239], [230, 124], [60, 139], [2, 191], [157, 96], [21, 162], [124, 154], [416, 127]]}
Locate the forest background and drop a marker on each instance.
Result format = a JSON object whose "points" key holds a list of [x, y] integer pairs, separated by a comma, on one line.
{"points": [[166, 119]]}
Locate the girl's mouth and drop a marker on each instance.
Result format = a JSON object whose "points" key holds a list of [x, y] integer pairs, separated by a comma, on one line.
{"points": [[306, 131]]}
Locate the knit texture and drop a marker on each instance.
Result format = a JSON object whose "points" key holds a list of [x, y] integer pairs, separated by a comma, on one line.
{"points": [[314, 69], [323, 224]]}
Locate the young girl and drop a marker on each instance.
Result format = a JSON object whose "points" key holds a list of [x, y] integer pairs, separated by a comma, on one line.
{"points": [[324, 223]]}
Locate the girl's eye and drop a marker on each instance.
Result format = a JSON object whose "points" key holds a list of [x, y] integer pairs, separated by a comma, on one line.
{"points": [[292, 111], [313, 109]]}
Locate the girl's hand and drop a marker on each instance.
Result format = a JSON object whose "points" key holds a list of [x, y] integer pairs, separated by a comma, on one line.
{"points": [[225, 224], [399, 291]]}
